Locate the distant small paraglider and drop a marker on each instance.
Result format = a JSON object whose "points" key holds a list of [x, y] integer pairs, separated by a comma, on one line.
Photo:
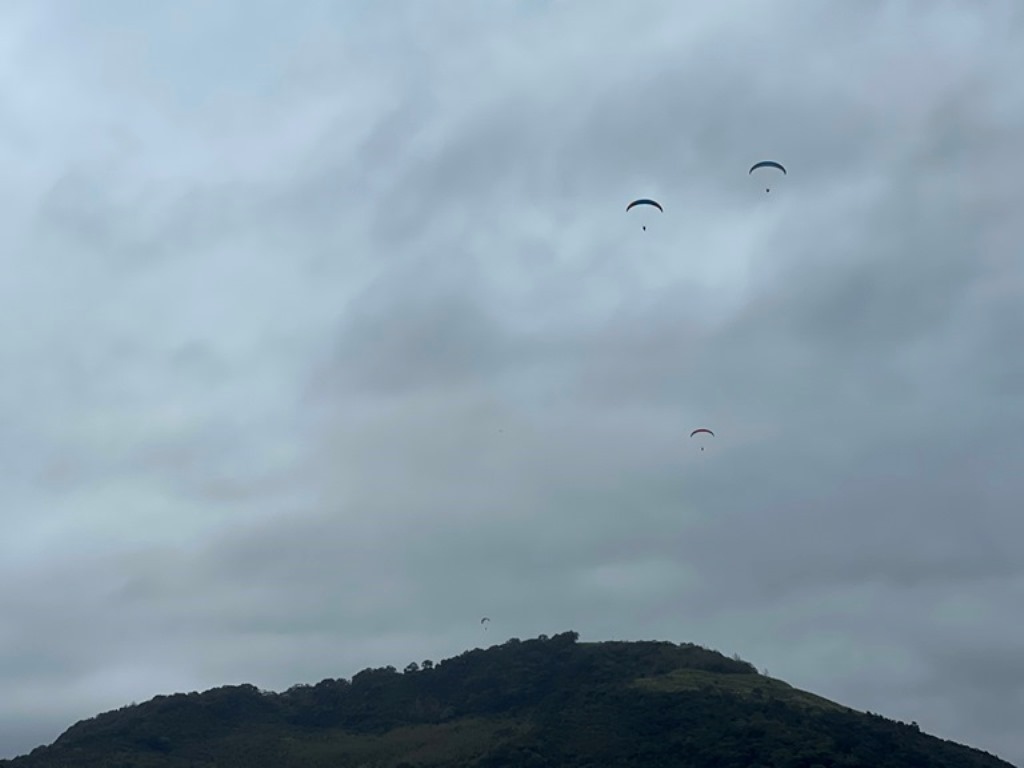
{"points": [[767, 164], [645, 201], [702, 431], [485, 621]]}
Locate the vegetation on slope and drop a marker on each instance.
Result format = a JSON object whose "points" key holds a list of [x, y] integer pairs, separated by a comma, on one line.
{"points": [[544, 703]]}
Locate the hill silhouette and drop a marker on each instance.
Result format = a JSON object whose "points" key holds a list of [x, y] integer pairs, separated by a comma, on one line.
{"points": [[544, 703]]}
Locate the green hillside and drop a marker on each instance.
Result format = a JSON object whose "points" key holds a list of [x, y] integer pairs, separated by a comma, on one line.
{"points": [[544, 703]]}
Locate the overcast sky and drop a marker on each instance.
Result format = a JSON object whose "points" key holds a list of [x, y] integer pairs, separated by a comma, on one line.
{"points": [[326, 333]]}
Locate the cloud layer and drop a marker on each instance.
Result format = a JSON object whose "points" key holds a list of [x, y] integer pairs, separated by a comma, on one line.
{"points": [[327, 334]]}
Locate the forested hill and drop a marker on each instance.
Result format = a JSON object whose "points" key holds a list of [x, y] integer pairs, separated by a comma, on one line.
{"points": [[545, 703]]}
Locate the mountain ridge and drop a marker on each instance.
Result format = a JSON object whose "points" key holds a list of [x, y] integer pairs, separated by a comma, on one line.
{"points": [[545, 702]]}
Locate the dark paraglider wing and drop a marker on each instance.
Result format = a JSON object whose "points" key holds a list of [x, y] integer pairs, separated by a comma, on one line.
{"points": [[767, 164], [645, 201]]}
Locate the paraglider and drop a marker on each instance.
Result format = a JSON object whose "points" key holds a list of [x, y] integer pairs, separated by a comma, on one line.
{"points": [[702, 431], [768, 164], [645, 201], [485, 621]]}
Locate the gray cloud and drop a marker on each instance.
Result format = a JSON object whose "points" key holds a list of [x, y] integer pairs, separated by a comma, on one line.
{"points": [[328, 334]]}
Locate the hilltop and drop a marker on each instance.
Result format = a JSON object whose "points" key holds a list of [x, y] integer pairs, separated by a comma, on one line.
{"points": [[544, 703]]}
